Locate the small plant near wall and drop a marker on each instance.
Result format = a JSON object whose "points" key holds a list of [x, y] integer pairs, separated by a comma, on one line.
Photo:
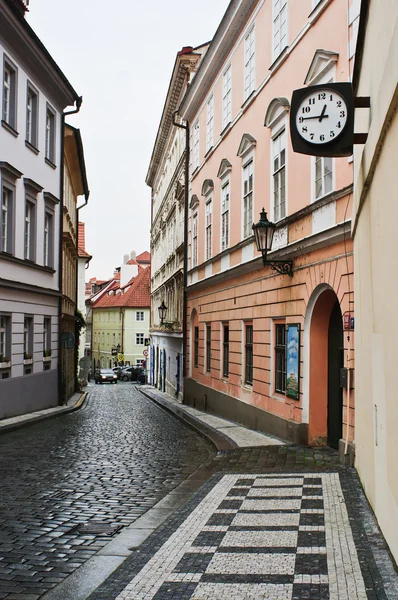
{"points": [[46, 353], [4, 358], [27, 356]]}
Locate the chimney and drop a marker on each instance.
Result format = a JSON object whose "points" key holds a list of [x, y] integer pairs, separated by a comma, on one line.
{"points": [[126, 259], [133, 255]]}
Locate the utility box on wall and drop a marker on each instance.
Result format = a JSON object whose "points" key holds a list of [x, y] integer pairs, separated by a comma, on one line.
{"points": [[344, 378]]}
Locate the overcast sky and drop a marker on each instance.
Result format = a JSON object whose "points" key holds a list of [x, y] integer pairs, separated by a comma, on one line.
{"points": [[119, 56]]}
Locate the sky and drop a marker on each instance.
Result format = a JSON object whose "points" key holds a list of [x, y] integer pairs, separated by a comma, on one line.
{"points": [[119, 56]]}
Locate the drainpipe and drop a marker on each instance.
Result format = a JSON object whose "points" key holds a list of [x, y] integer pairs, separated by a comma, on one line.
{"points": [[79, 101], [186, 197]]}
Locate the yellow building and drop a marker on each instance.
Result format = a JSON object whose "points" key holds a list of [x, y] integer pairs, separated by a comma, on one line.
{"points": [[75, 185]]}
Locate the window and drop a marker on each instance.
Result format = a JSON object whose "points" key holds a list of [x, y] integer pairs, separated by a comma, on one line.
{"points": [[28, 338], [195, 240], [279, 29], [323, 176], [210, 123], [249, 63], [225, 361], [50, 135], [31, 116], [208, 348], [279, 175], [196, 348], [48, 239], [208, 229], [225, 216], [280, 358], [7, 206], [139, 315], [10, 95], [247, 199], [47, 337], [139, 338], [30, 230], [227, 97], [249, 354], [5, 338], [139, 362], [196, 140]]}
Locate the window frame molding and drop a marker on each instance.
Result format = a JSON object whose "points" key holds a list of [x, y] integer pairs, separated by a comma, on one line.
{"points": [[281, 130], [209, 122], [225, 326], [275, 55], [50, 149], [245, 382], [207, 365], [250, 90], [10, 124], [9, 176], [32, 144], [276, 120], [224, 98]]}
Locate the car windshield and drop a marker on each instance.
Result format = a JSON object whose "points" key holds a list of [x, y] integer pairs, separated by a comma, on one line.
{"points": [[107, 371]]}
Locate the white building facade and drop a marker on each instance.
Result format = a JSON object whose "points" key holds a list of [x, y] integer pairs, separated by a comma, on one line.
{"points": [[34, 95], [166, 178]]}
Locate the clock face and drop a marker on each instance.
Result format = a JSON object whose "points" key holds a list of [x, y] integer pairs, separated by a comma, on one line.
{"points": [[321, 116]]}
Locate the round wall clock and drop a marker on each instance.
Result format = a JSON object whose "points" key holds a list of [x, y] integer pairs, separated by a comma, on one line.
{"points": [[321, 116]]}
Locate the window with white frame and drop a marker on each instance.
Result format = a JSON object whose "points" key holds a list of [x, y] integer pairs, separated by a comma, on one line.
{"points": [[48, 239], [195, 240], [323, 176], [5, 338], [210, 123], [139, 339], [249, 63], [7, 209], [139, 315], [10, 94], [28, 338], [227, 97], [30, 230], [50, 135], [279, 175], [196, 140], [209, 208], [225, 216], [31, 116], [247, 199], [139, 362], [279, 27]]}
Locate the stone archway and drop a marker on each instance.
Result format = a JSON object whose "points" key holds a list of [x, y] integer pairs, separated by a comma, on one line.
{"points": [[325, 358]]}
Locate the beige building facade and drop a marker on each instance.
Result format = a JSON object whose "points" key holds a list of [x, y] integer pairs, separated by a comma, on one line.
{"points": [[375, 249]]}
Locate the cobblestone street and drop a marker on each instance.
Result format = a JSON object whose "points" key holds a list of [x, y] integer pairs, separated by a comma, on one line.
{"points": [[269, 522], [102, 466]]}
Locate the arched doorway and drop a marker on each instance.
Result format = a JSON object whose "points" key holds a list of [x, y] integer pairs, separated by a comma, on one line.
{"points": [[326, 358]]}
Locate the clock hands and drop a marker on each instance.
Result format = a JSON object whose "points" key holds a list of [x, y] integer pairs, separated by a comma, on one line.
{"points": [[319, 117]]}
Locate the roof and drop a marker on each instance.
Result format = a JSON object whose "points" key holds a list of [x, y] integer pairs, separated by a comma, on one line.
{"points": [[143, 257], [136, 296], [81, 242]]}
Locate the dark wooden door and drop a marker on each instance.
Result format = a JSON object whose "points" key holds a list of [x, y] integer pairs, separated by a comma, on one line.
{"points": [[335, 362]]}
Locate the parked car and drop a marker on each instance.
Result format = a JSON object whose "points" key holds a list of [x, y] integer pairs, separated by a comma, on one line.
{"points": [[131, 373], [142, 377], [104, 375]]}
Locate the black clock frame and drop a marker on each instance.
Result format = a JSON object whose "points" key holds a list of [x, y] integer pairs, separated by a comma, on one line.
{"points": [[337, 147]]}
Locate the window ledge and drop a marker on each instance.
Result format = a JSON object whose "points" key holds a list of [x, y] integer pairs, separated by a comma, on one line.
{"points": [[248, 100], [279, 59], [195, 172], [210, 150], [226, 129], [9, 128], [32, 147], [28, 361], [5, 365], [46, 358], [50, 163], [19, 261]]}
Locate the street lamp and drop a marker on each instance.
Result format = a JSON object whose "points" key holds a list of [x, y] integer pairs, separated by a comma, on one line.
{"points": [[162, 312], [264, 233], [118, 348]]}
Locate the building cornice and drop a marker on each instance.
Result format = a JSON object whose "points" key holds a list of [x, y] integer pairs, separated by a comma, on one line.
{"points": [[27, 287]]}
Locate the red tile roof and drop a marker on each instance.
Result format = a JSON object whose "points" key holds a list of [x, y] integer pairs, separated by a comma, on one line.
{"points": [[137, 295], [81, 241], [143, 257]]}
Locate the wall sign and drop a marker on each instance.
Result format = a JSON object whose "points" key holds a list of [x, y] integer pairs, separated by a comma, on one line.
{"points": [[322, 120], [293, 361]]}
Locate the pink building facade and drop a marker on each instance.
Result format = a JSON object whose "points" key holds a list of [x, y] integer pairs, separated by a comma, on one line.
{"points": [[262, 348]]}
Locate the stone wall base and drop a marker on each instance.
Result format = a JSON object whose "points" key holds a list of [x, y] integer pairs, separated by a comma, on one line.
{"points": [[216, 403], [349, 458]]}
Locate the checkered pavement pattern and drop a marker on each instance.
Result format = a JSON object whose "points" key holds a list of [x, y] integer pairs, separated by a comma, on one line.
{"points": [[257, 537]]}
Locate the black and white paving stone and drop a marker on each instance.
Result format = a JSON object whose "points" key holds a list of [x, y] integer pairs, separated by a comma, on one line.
{"points": [[269, 536]]}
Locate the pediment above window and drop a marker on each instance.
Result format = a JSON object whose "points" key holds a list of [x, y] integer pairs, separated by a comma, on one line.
{"points": [[207, 187], [247, 143], [194, 202], [224, 168], [323, 61], [277, 108]]}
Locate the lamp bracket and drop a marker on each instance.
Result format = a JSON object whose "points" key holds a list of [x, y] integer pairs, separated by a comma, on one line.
{"points": [[284, 267]]}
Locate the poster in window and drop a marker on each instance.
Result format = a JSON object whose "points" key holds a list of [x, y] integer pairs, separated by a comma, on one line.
{"points": [[293, 361]]}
